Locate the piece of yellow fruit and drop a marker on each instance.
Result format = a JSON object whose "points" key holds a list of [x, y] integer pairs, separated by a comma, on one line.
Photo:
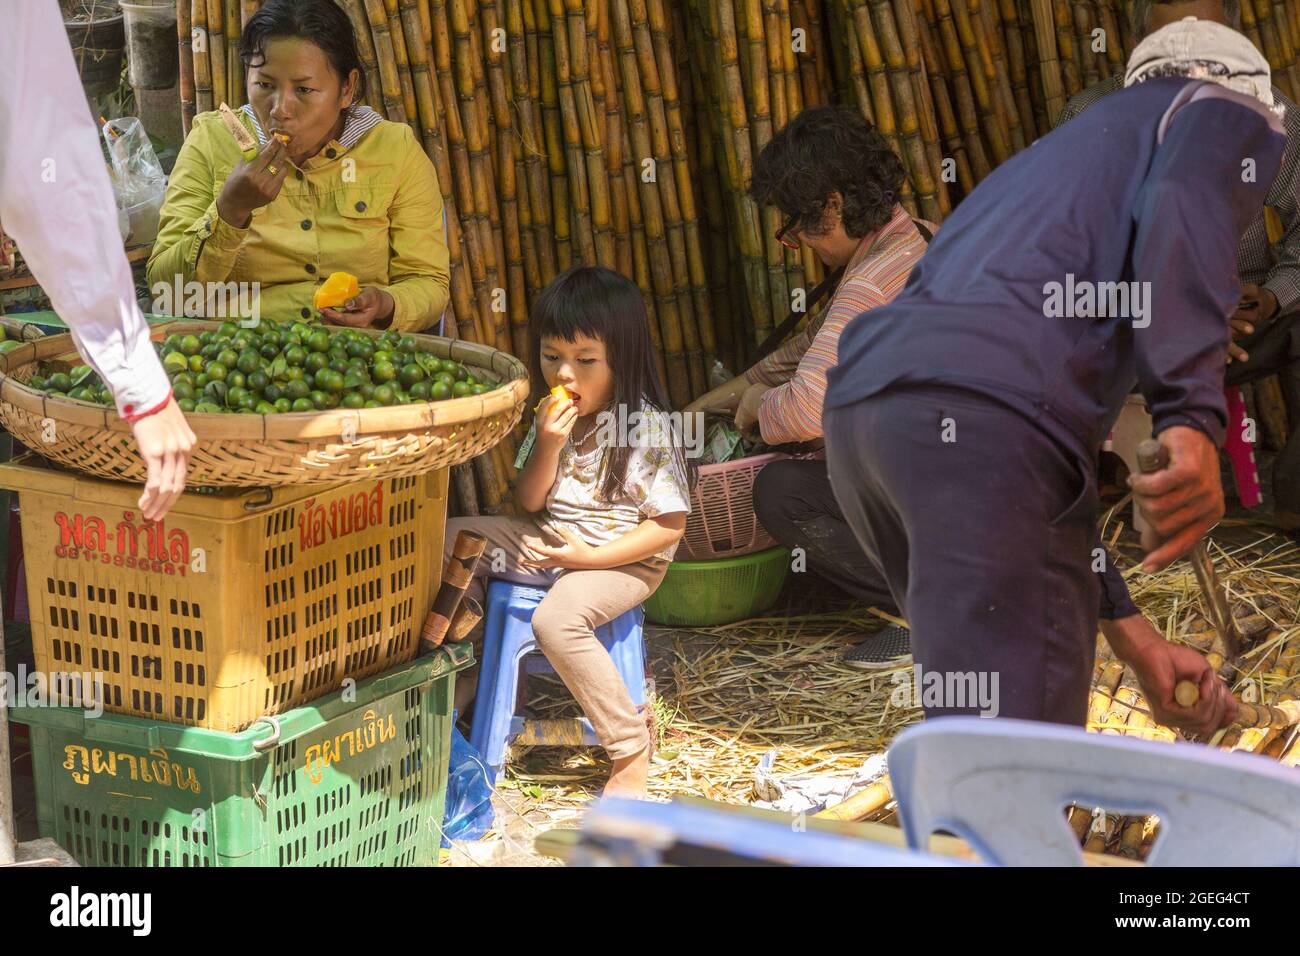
{"points": [[558, 392], [336, 290]]}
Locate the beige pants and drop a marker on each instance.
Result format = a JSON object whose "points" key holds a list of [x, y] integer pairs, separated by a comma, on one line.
{"points": [[565, 621]]}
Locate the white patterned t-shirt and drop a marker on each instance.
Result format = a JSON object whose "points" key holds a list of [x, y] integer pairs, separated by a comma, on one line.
{"points": [[655, 484]]}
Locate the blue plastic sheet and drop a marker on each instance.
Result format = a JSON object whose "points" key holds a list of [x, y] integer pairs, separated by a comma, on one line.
{"points": [[469, 792]]}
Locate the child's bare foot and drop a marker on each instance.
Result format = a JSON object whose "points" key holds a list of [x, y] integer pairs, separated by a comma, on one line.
{"points": [[628, 778]]}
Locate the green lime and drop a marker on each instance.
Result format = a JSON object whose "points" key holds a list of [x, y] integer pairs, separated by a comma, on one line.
{"points": [[241, 341], [294, 374], [186, 377], [172, 343], [269, 350], [283, 405], [461, 389], [236, 378], [303, 405], [190, 345], [201, 382], [360, 348], [353, 379], [81, 394], [380, 356], [297, 389], [228, 357], [37, 382], [258, 381], [447, 377], [207, 338], [353, 400], [246, 403], [408, 343], [339, 365], [448, 365], [410, 374], [235, 395], [384, 394], [175, 363], [334, 381], [265, 408], [8, 345], [249, 361], [319, 397], [316, 361], [197, 364], [228, 328], [319, 341], [371, 403], [478, 389], [59, 382], [182, 390], [440, 391], [421, 391], [272, 391], [216, 371], [185, 404], [207, 408], [461, 373], [215, 392], [384, 372], [391, 338], [367, 390], [295, 355]]}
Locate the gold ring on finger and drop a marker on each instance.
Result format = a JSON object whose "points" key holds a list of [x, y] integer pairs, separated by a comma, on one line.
{"points": [[271, 169]]}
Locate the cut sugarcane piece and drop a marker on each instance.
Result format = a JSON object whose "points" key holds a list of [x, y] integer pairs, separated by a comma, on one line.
{"points": [[243, 138]]}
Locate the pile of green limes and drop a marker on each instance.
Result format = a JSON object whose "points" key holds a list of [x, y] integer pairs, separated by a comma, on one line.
{"points": [[288, 367]]}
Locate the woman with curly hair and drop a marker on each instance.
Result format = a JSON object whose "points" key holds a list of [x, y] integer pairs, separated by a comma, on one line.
{"points": [[836, 182]]}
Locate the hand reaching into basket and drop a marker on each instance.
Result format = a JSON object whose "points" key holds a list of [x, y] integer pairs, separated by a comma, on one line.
{"points": [[165, 442], [750, 403]]}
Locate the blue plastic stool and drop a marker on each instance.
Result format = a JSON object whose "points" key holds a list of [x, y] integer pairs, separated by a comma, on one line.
{"points": [[508, 642]]}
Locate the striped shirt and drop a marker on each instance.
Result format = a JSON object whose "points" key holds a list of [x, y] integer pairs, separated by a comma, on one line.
{"points": [[361, 119], [1256, 262], [792, 410]]}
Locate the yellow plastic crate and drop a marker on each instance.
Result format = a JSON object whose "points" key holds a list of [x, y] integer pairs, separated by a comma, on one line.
{"points": [[238, 603]]}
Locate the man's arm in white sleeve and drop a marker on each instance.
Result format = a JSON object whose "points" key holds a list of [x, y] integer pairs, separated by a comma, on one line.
{"points": [[57, 203]]}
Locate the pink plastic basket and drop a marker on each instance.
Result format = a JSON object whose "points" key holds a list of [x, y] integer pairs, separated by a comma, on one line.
{"points": [[722, 523]]}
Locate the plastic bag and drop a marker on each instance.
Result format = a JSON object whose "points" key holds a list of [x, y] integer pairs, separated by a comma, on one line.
{"points": [[718, 375], [469, 812], [139, 182]]}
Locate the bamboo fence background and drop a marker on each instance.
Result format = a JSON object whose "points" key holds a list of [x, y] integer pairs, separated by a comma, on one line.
{"points": [[623, 133]]}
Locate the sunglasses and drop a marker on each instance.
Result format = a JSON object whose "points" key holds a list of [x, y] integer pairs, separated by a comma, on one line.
{"points": [[784, 239]]}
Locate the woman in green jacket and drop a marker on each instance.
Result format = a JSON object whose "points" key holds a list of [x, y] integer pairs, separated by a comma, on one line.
{"points": [[333, 187]]}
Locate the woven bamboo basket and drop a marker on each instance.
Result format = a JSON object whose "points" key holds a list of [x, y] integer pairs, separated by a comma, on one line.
{"points": [[262, 451]]}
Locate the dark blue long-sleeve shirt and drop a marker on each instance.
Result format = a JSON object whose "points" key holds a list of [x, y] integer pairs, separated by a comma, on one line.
{"points": [[1103, 199]]}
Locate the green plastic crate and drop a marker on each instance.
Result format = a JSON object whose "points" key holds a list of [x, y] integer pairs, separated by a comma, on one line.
{"points": [[708, 593], [358, 782]]}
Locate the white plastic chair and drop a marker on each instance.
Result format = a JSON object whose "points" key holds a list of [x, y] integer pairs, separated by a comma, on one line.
{"points": [[619, 832], [1003, 785]]}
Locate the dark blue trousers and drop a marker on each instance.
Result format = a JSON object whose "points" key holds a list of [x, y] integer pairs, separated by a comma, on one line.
{"points": [[984, 528]]}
